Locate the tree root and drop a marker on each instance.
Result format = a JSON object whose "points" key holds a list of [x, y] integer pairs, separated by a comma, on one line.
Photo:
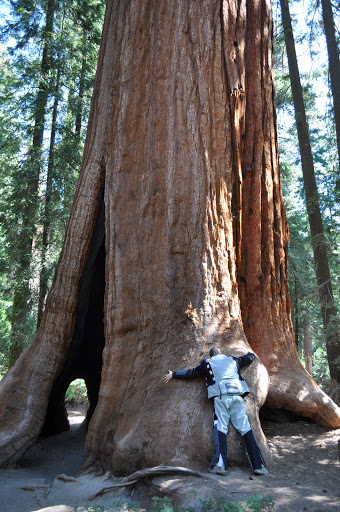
{"points": [[146, 473]]}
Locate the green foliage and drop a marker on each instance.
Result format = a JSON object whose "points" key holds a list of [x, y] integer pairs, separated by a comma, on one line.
{"points": [[72, 50], [162, 505], [76, 392], [5, 329], [254, 504], [130, 506], [301, 272], [221, 504], [5, 322], [320, 366]]}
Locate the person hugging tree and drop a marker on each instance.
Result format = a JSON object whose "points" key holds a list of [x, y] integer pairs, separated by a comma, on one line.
{"points": [[227, 388]]}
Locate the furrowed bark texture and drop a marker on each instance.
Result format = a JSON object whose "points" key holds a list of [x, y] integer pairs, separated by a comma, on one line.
{"points": [[185, 149], [171, 283], [263, 289]]}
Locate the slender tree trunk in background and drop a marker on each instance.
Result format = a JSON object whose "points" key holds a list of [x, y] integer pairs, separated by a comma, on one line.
{"points": [[308, 347], [22, 293], [80, 98], [178, 219], [324, 282], [334, 69], [43, 281]]}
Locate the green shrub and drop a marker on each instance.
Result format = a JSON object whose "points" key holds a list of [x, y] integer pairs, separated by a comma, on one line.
{"points": [[130, 506], [162, 505], [254, 504], [76, 392]]}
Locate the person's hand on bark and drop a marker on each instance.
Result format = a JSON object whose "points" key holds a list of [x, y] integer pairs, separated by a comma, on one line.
{"points": [[167, 377]]}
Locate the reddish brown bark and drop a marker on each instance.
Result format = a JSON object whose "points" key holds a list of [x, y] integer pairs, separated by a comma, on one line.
{"points": [[265, 303], [178, 122], [308, 348]]}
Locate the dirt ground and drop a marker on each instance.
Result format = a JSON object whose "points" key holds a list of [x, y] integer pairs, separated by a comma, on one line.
{"points": [[304, 476]]}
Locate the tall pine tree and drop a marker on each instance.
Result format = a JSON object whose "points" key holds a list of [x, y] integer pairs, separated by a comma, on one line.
{"points": [[328, 310], [31, 175]]}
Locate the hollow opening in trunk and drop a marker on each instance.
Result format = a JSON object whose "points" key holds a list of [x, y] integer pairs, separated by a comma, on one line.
{"points": [[76, 402], [84, 359]]}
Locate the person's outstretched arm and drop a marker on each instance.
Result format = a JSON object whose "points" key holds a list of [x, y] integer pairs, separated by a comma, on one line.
{"points": [[192, 373]]}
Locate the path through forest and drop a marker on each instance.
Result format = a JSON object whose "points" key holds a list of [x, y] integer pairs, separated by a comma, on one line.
{"points": [[304, 476]]}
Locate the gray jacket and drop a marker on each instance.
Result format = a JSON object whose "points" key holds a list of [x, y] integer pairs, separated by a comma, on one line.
{"points": [[222, 374]]}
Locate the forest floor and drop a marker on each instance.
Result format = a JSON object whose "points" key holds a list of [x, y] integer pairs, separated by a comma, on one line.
{"points": [[304, 476]]}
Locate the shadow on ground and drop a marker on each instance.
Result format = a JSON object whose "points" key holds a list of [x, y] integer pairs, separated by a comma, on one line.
{"points": [[304, 476]]}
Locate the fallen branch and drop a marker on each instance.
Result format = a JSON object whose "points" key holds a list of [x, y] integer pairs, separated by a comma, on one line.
{"points": [[146, 473]]}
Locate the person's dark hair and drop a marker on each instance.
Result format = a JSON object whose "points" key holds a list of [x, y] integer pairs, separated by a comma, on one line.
{"points": [[214, 351]]}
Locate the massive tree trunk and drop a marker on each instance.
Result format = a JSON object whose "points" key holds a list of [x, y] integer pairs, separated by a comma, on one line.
{"points": [[180, 181], [319, 242]]}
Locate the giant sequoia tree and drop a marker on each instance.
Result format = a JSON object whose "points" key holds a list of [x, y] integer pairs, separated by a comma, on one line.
{"points": [[177, 241]]}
